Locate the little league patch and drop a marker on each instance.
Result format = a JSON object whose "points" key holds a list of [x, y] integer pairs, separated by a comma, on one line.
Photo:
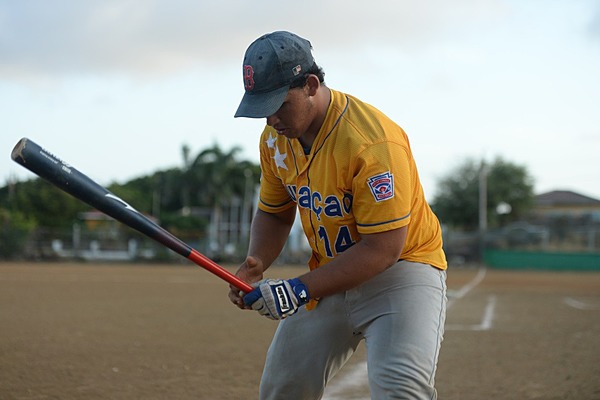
{"points": [[382, 186]]}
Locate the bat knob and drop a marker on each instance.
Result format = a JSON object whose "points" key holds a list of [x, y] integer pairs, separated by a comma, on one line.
{"points": [[17, 153]]}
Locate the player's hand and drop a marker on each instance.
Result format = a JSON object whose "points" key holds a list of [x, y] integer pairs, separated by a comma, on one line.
{"points": [[277, 298], [250, 271]]}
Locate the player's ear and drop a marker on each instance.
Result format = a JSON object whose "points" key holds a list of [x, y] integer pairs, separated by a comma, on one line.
{"points": [[312, 85]]}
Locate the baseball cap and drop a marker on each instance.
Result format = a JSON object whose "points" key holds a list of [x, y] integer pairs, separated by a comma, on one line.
{"points": [[271, 63]]}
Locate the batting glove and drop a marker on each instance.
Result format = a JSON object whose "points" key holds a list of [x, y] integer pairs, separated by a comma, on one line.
{"points": [[277, 298]]}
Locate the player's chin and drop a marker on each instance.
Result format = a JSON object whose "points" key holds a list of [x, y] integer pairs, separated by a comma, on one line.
{"points": [[288, 133]]}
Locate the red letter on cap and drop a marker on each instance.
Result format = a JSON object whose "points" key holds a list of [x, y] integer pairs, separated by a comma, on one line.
{"points": [[248, 77]]}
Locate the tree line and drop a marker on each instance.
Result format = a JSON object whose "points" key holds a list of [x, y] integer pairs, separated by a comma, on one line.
{"points": [[209, 180], [509, 194], [206, 181]]}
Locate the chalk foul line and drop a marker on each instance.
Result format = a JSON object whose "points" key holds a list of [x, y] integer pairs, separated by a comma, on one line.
{"points": [[580, 305], [486, 319]]}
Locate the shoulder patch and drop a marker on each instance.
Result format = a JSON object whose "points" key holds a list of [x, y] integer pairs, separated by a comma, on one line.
{"points": [[382, 186]]}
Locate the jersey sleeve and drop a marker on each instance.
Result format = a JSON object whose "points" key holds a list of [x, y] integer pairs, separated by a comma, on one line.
{"points": [[273, 197], [383, 187]]}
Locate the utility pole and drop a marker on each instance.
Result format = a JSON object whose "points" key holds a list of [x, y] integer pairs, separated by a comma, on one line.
{"points": [[483, 171]]}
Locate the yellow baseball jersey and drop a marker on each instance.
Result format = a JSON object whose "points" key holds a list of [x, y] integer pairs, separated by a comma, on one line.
{"points": [[359, 178]]}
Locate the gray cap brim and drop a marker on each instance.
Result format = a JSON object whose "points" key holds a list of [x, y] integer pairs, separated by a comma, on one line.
{"points": [[261, 105]]}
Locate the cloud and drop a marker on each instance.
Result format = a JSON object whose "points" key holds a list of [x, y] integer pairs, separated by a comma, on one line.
{"points": [[64, 37]]}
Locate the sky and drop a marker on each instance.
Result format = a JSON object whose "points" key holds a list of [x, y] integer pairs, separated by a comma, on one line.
{"points": [[117, 88]]}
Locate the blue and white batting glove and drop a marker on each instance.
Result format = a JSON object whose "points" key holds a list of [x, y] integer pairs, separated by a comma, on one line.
{"points": [[277, 298]]}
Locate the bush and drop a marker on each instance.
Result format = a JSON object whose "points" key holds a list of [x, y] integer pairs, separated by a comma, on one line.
{"points": [[15, 229]]}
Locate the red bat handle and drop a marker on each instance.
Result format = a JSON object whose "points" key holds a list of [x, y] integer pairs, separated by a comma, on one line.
{"points": [[211, 266]]}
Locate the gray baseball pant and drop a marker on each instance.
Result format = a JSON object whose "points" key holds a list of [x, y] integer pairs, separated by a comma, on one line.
{"points": [[400, 314]]}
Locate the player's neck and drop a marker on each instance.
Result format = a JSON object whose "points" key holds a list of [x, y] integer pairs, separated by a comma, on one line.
{"points": [[322, 103]]}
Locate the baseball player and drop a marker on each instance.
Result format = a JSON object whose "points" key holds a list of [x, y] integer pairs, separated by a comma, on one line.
{"points": [[377, 270]]}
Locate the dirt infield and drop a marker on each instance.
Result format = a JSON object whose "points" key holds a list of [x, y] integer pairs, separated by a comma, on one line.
{"points": [[77, 331]]}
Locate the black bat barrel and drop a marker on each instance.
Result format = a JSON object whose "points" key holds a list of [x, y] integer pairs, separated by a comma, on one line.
{"points": [[51, 168]]}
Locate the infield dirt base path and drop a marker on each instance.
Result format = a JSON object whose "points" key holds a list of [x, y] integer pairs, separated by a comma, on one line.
{"points": [[83, 331]]}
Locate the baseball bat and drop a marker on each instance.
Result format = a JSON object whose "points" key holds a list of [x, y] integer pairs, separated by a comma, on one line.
{"points": [[49, 167]]}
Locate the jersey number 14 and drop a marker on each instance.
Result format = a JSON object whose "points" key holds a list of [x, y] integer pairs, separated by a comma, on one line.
{"points": [[343, 241]]}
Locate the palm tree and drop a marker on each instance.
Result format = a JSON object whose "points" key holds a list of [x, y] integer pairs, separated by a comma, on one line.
{"points": [[218, 180]]}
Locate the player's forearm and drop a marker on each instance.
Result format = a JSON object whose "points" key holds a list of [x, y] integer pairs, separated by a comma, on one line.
{"points": [[372, 255], [269, 233]]}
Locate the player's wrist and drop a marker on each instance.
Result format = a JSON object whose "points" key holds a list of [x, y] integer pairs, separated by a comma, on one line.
{"points": [[300, 290]]}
